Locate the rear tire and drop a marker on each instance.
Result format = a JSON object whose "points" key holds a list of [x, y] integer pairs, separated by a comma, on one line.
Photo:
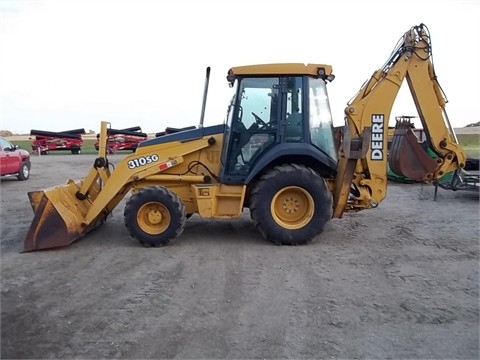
{"points": [[291, 204], [154, 216], [24, 172]]}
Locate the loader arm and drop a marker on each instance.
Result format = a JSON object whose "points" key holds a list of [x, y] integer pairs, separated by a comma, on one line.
{"points": [[361, 180], [66, 213]]}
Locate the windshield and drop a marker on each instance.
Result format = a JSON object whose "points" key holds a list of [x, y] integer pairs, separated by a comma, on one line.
{"points": [[321, 124], [5, 145]]}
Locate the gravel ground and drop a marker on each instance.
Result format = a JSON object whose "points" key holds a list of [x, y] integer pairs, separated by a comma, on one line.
{"points": [[399, 281]]}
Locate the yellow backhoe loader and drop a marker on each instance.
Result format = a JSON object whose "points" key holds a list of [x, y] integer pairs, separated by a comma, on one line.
{"points": [[276, 154]]}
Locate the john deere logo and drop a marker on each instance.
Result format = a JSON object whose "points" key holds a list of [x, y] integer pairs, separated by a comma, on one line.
{"points": [[376, 145]]}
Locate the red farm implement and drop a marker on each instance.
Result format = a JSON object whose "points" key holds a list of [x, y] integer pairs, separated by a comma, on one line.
{"points": [[123, 139], [45, 141]]}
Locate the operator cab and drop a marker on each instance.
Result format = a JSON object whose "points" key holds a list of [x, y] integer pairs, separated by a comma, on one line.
{"points": [[278, 112]]}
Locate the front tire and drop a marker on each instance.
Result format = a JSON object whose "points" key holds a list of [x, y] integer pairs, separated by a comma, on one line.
{"points": [[154, 216], [291, 204], [24, 172]]}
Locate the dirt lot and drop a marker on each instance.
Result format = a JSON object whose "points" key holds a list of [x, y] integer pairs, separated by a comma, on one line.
{"points": [[399, 281]]}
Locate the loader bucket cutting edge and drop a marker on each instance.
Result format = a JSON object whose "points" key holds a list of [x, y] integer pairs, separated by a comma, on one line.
{"points": [[57, 220], [408, 158]]}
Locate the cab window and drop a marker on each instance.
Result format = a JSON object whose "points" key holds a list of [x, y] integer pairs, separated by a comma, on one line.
{"points": [[294, 128]]}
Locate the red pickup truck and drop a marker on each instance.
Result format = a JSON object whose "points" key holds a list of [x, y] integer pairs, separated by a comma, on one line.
{"points": [[13, 160]]}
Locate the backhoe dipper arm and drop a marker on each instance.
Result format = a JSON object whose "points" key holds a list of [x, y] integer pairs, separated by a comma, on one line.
{"points": [[361, 180]]}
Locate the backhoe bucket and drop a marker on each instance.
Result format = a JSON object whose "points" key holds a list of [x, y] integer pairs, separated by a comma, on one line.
{"points": [[407, 157], [59, 217]]}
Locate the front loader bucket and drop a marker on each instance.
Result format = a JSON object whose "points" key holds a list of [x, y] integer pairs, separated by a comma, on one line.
{"points": [[59, 217], [408, 158]]}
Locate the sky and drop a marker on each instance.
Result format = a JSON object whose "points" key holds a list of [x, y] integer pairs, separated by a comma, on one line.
{"points": [[69, 64]]}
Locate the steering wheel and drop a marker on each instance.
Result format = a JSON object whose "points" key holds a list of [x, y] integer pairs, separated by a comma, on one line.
{"points": [[259, 120]]}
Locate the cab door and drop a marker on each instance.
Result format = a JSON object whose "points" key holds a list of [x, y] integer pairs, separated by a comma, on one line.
{"points": [[252, 126]]}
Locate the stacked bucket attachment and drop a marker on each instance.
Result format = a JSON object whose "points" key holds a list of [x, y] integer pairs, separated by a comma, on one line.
{"points": [[407, 157]]}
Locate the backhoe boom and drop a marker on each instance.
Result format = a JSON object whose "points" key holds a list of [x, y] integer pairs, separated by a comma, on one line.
{"points": [[361, 180]]}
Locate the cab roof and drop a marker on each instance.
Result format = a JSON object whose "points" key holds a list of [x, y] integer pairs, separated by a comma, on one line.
{"points": [[282, 69]]}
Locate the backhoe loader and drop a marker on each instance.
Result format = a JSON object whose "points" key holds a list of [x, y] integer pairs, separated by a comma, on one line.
{"points": [[276, 154]]}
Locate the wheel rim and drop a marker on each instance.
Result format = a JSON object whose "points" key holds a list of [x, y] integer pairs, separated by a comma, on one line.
{"points": [[153, 218], [292, 207], [25, 171]]}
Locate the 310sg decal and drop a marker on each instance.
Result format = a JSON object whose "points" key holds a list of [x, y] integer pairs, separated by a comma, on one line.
{"points": [[142, 161]]}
